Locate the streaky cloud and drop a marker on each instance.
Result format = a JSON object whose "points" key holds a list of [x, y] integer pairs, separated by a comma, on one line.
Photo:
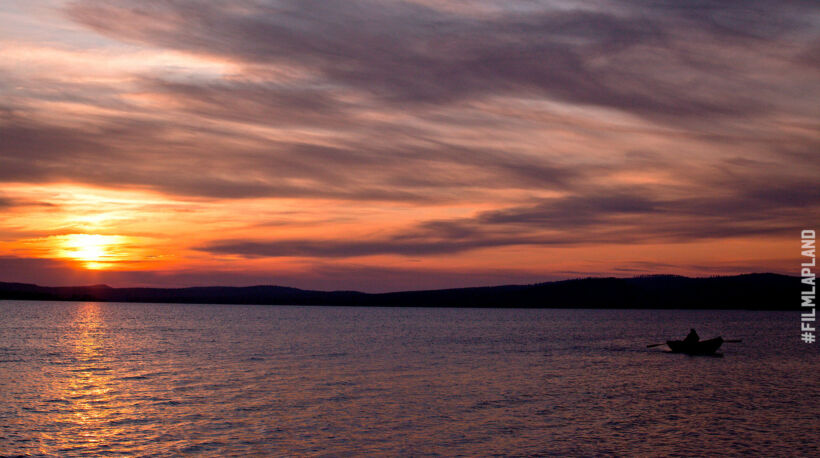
{"points": [[629, 57]]}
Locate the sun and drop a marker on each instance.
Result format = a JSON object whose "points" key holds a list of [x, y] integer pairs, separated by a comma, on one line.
{"points": [[94, 250]]}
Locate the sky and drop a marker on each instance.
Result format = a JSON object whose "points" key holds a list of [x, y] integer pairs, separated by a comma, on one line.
{"points": [[394, 145]]}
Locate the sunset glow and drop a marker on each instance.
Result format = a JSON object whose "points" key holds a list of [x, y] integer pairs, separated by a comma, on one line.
{"points": [[92, 249], [481, 144]]}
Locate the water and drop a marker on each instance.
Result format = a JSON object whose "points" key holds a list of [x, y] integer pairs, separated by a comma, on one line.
{"points": [[156, 379]]}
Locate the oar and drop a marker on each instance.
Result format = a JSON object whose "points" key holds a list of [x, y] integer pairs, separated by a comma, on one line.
{"points": [[730, 341]]}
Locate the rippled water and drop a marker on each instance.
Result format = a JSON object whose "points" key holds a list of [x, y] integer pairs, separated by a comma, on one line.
{"points": [[155, 379]]}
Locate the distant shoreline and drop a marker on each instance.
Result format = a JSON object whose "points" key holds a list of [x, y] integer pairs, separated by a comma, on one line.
{"points": [[757, 291]]}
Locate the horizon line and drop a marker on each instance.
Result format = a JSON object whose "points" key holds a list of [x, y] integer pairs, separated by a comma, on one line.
{"points": [[590, 277]]}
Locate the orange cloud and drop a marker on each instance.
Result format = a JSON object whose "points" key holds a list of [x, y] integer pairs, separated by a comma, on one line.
{"points": [[441, 143]]}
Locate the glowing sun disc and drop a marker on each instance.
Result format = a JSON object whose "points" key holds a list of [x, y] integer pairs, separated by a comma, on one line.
{"points": [[90, 248]]}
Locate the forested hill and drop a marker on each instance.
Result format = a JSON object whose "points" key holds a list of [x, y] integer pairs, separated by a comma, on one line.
{"points": [[749, 291]]}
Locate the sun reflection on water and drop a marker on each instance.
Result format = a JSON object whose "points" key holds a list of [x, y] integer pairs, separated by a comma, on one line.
{"points": [[159, 379], [90, 386]]}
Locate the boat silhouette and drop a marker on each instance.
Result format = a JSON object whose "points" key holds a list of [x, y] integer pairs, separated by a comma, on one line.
{"points": [[695, 347], [701, 347]]}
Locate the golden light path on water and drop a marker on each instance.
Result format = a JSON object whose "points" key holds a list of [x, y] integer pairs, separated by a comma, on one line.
{"points": [[108, 379], [88, 385]]}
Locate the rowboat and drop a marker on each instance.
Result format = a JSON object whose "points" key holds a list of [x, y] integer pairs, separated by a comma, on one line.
{"points": [[702, 347]]}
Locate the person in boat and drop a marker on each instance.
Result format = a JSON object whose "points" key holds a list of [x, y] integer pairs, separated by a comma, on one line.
{"points": [[692, 337]]}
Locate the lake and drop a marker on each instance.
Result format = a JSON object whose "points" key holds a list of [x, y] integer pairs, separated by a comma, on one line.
{"points": [[82, 378]]}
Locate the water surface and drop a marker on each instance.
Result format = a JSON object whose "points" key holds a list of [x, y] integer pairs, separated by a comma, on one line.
{"points": [[164, 379]]}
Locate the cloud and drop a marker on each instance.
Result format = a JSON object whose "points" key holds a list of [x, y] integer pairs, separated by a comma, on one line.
{"points": [[47, 272], [399, 101], [11, 203], [628, 57], [575, 211], [438, 128], [603, 216], [153, 154], [253, 102], [343, 249]]}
